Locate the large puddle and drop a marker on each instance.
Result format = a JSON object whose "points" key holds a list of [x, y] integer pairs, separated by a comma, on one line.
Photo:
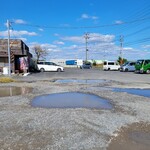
{"points": [[133, 137], [89, 81], [71, 100], [140, 92], [12, 91]]}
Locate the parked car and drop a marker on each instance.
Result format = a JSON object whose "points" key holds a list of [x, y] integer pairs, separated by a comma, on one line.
{"points": [[49, 66], [86, 66], [143, 66], [128, 66], [111, 65]]}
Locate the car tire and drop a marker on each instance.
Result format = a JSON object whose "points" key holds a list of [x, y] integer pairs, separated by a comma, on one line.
{"points": [[126, 70], [148, 71], [58, 70], [42, 69]]}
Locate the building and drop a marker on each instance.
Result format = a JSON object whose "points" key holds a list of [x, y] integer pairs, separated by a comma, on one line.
{"points": [[68, 62], [19, 55]]}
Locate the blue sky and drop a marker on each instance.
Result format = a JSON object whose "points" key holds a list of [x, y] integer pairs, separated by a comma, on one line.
{"points": [[59, 26]]}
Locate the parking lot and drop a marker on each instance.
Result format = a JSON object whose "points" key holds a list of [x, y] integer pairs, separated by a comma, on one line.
{"points": [[141, 80], [26, 127]]}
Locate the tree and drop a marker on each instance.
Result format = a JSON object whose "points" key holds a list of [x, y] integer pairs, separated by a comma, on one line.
{"points": [[94, 63], [39, 52], [121, 60]]}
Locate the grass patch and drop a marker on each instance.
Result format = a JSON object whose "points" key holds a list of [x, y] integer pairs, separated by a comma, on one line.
{"points": [[6, 80]]}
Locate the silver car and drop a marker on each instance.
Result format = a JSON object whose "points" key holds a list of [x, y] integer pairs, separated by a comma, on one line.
{"points": [[128, 66]]}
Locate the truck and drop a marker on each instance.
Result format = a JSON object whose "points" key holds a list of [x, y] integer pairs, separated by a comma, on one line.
{"points": [[142, 66]]}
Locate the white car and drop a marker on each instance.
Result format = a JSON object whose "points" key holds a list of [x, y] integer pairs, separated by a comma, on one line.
{"points": [[49, 66], [111, 65]]}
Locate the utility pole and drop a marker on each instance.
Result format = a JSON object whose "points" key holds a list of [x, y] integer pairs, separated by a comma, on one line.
{"points": [[121, 48], [9, 65], [86, 42]]}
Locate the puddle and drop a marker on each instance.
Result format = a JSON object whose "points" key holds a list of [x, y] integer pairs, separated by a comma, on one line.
{"points": [[12, 91], [140, 92], [134, 137], [80, 81], [71, 100]]}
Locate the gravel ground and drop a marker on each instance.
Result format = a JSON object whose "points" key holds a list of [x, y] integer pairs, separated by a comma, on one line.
{"points": [[23, 127]]}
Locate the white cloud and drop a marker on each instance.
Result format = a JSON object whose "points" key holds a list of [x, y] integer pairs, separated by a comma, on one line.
{"points": [[86, 16], [65, 25], [72, 47], [128, 48], [40, 29], [48, 46], [93, 37], [56, 34], [99, 50], [119, 22], [100, 46], [17, 33], [96, 37], [58, 42], [54, 50], [23, 39], [76, 39], [146, 46], [19, 21], [20, 33]]}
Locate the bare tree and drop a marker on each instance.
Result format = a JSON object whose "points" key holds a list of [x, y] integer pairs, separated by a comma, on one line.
{"points": [[39, 52]]}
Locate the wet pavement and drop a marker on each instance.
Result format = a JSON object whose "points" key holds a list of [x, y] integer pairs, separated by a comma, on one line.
{"points": [[12, 91], [71, 100], [133, 137], [88, 81]]}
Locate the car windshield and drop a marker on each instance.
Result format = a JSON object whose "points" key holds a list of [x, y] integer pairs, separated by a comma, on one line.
{"points": [[125, 64], [139, 62]]}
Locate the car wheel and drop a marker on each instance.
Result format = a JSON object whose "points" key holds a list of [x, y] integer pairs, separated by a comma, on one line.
{"points": [[42, 69], [126, 70], [148, 71], [58, 70]]}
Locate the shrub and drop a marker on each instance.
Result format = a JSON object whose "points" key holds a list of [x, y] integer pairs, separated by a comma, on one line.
{"points": [[6, 80]]}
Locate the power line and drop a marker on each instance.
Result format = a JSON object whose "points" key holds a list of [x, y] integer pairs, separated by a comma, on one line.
{"points": [[139, 31], [85, 27], [144, 40]]}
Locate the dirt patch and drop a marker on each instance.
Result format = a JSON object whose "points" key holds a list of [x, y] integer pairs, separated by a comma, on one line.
{"points": [[132, 137]]}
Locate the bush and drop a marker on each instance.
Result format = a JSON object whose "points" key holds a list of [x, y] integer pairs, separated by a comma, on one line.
{"points": [[6, 80]]}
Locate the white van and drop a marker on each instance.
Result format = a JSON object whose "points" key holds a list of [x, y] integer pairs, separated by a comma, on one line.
{"points": [[49, 66], [111, 65]]}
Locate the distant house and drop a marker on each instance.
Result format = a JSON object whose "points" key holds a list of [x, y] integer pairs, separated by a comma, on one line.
{"points": [[68, 62], [19, 55]]}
